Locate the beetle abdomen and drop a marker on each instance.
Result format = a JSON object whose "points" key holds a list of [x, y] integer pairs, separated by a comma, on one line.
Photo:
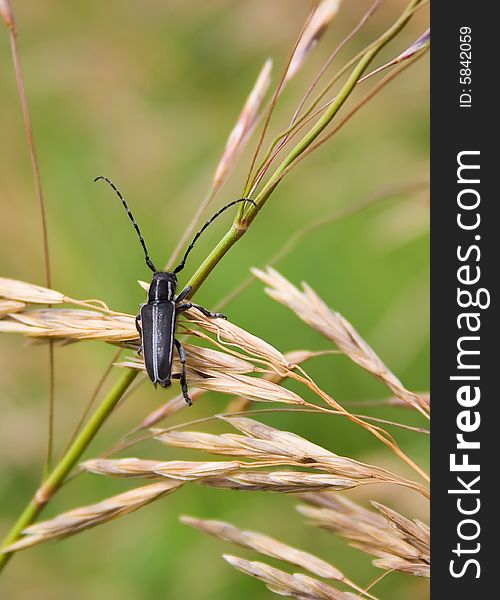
{"points": [[158, 332]]}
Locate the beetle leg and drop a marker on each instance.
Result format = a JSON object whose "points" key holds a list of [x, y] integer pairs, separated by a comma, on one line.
{"points": [[139, 329], [183, 294], [182, 357], [206, 312]]}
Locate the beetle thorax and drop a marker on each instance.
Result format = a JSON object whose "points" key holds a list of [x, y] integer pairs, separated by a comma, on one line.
{"points": [[163, 287]]}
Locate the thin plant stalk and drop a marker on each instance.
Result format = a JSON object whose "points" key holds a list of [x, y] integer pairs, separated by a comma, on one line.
{"points": [[21, 91]]}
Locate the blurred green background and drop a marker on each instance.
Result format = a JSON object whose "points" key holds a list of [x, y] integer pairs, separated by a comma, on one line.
{"points": [[146, 93]]}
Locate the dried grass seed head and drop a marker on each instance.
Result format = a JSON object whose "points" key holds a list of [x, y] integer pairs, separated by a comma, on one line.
{"points": [[245, 124], [265, 545], [309, 307], [318, 24], [284, 584], [176, 469], [74, 521]]}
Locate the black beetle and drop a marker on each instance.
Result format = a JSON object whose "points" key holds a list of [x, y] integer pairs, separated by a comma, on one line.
{"points": [[157, 318]]}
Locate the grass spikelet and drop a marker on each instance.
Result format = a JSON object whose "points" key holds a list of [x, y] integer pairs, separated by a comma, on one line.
{"points": [[10, 306], [405, 566], [28, 292], [267, 446], [7, 16], [237, 404], [232, 335], [295, 358], [244, 125], [171, 407], [288, 444], [268, 546], [252, 388], [316, 27], [388, 535], [71, 325], [418, 46], [176, 469], [77, 520], [282, 583], [283, 482], [309, 307], [415, 532], [201, 360]]}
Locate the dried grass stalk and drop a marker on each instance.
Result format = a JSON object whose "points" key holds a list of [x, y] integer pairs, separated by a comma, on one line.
{"points": [[252, 388], [77, 520], [7, 16], [176, 469], [309, 307], [389, 535], [405, 566], [296, 585], [416, 533]]}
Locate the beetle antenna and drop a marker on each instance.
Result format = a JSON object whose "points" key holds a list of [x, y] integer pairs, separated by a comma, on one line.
{"points": [[131, 217], [182, 264]]}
